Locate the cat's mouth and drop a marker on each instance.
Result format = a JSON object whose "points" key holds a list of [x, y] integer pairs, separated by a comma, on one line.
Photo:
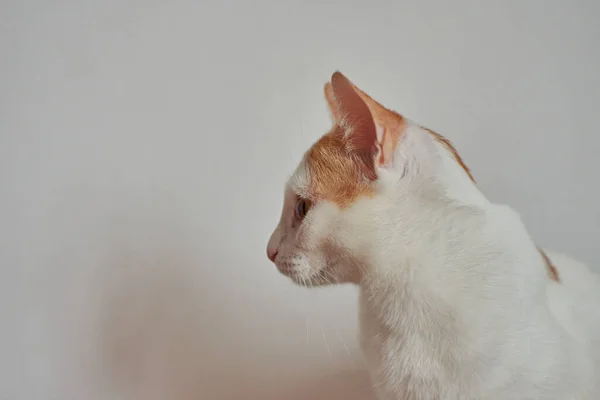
{"points": [[328, 271]]}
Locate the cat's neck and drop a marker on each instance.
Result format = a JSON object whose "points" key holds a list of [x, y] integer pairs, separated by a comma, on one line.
{"points": [[456, 256]]}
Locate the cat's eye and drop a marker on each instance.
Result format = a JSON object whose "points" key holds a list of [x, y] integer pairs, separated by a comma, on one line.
{"points": [[302, 207]]}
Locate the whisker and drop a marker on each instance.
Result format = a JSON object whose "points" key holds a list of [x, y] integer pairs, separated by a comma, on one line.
{"points": [[306, 325], [347, 349], [326, 344], [326, 274]]}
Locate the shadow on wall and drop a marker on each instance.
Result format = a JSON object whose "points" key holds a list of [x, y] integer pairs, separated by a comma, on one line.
{"points": [[349, 385], [162, 334]]}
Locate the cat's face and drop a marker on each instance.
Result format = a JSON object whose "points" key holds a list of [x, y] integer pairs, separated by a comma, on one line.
{"points": [[336, 199], [311, 243]]}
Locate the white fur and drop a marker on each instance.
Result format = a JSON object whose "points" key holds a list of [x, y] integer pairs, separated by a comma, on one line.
{"points": [[455, 299]]}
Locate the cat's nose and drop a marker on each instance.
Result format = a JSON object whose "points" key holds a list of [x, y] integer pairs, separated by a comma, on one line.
{"points": [[271, 253]]}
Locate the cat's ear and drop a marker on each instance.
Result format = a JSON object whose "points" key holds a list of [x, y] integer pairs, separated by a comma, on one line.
{"points": [[354, 117], [332, 103], [370, 128]]}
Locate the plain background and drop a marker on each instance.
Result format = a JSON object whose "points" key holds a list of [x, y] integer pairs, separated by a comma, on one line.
{"points": [[143, 150]]}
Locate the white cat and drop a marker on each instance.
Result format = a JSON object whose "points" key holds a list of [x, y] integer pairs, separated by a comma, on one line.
{"points": [[456, 300]]}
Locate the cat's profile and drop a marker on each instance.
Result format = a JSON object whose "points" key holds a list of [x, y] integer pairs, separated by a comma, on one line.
{"points": [[456, 300]]}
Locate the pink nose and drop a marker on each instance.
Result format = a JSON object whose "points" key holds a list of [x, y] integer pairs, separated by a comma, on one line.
{"points": [[271, 253]]}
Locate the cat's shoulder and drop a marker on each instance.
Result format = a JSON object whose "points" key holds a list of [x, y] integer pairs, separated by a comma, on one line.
{"points": [[574, 300]]}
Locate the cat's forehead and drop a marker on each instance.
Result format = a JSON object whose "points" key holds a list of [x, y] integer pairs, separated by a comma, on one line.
{"points": [[328, 173]]}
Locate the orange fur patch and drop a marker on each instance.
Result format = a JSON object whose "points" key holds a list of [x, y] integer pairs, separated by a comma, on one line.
{"points": [[389, 141], [335, 175], [448, 145], [552, 271]]}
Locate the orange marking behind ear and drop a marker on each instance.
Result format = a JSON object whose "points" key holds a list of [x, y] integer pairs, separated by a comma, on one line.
{"points": [[448, 145], [552, 271], [335, 174], [389, 140]]}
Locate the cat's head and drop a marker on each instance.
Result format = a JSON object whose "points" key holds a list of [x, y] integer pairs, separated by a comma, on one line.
{"points": [[373, 176]]}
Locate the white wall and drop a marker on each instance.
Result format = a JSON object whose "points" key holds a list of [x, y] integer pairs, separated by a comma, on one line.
{"points": [[143, 151]]}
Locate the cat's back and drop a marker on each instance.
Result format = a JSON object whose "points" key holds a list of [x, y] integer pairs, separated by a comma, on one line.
{"points": [[575, 301]]}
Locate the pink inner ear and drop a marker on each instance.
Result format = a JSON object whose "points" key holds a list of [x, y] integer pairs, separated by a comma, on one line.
{"points": [[345, 99], [355, 117]]}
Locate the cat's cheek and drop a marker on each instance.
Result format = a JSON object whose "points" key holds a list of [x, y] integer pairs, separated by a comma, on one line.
{"points": [[324, 219], [306, 238]]}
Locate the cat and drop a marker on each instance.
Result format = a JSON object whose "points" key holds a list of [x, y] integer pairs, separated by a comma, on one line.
{"points": [[457, 302]]}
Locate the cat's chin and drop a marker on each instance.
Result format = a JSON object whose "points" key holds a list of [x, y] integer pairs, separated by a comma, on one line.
{"points": [[319, 278]]}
